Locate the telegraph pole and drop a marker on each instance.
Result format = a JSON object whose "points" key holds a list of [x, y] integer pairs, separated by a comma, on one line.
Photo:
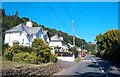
{"points": [[73, 33]]}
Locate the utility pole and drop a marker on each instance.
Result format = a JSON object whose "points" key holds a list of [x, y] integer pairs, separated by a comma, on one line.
{"points": [[73, 33]]}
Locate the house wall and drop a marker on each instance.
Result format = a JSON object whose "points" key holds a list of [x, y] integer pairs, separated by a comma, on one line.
{"points": [[46, 38], [20, 37], [10, 37], [7, 38], [65, 46], [40, 34], [24, 39], [54, 44]]}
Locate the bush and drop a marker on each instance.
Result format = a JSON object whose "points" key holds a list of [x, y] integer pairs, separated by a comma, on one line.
{"points": [[8, 55], [53, 58], [109, 45], [25, 48], [39, 52], [42, 50], [4, 46], [11, 51], [26, 58]]}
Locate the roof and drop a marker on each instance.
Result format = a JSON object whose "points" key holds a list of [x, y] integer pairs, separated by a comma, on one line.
{"points": [[34, 30], [18, 28], [22, 27], [55, 38], [45, 32]]}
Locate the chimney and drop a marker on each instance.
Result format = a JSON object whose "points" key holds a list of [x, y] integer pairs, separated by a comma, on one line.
{"points": [[29, 23], [61, 38]]}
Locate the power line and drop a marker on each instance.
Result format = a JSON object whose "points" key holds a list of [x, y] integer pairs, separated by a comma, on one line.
{"points": [[69, 16], [71, 19], [55, 13], [67, 11]]}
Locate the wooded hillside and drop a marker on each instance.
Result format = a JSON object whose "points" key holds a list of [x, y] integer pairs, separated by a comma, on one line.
{"points": [[9, 21]]}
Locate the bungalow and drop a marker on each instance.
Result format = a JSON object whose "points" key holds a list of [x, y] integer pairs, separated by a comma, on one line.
{"points": [[58, 44], [25, 34]]}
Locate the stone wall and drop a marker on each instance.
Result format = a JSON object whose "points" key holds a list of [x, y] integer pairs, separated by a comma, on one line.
{"points": [[38, 70]]}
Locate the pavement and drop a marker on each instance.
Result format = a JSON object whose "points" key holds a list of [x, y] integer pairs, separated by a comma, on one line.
{"points": [[91, 66]]}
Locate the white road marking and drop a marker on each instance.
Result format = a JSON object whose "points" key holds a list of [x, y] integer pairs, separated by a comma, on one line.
{"points": [[98, 65], [86, 60]]}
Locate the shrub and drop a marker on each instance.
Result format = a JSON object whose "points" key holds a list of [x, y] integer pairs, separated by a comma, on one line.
{"points": [[11, 51], [102, 53], [26, 57], [39, 52], [8, 55], [53, 58], [42, 50], [25, 49]]}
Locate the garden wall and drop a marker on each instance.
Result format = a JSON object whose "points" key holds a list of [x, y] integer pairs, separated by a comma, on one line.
{"points": [[67, 58]]}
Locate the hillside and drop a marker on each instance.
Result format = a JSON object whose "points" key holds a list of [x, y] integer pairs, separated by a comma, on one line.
{"points": [[10, 21]]}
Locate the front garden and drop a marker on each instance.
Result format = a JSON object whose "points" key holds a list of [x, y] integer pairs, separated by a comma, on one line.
{"points": [[38, 53]]}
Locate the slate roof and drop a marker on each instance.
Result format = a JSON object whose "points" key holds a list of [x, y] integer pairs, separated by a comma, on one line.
{"points": [[18, 28], [34, 30], [45, 32], [55, 38], [22, 27]]}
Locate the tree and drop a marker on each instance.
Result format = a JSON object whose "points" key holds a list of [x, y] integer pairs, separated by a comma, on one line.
{"points": [[109, 45], [42, 49]]}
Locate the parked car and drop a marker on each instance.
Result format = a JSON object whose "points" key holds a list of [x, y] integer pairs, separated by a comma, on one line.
{"points": [[82, 54]]}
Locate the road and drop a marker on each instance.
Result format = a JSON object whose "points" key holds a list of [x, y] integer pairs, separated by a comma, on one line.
{"points": [[92, 66]]}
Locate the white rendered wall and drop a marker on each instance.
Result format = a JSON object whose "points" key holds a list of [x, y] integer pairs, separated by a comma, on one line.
{"points": [[23, 36], [11, 37], [54, 44], [7, 39], [69, 59]]}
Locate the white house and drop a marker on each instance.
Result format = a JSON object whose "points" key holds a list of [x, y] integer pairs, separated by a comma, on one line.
{"points": [[46, 36], [25, 34], [58, 43]]}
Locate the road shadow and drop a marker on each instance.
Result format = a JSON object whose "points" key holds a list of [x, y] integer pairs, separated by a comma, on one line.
{"points": [[105, 64], [93, 74], [110, 69]]}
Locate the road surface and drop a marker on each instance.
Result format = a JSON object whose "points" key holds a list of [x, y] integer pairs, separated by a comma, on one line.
{"points": [[92, 66]]}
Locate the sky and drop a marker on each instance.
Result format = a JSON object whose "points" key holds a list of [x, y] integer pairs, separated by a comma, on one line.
{"points": [[90, 18]]}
